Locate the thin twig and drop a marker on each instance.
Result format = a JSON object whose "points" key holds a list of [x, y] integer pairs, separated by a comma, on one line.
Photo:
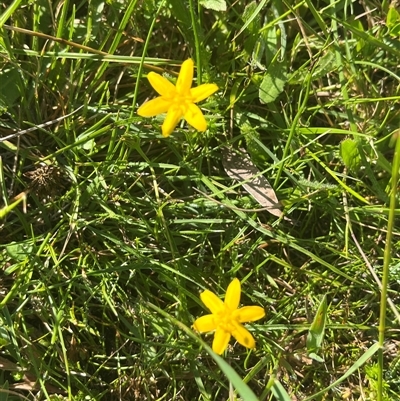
{"points": [[36, 127]]}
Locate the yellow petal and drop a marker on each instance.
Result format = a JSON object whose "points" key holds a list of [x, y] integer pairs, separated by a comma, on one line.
{"points": [[172, 119], [232, 297], [184, 82], [195, 117], [213, 303], [243, 336], [205, 323], [248, 314], [153, 107], [202, 92], [161, 84], [221, 340]]}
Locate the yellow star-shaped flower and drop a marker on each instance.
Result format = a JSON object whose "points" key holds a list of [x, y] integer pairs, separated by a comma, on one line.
{"points": [[177, 101], [226, 319]]}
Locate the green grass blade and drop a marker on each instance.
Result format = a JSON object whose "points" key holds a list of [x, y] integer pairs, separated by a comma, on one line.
{"points": [[387, 259], [353, 369], [279, 392], [9, 11], [317, 331]]}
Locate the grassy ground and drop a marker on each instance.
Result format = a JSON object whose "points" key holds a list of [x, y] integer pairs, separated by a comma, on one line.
{"points": [[109, 231]]}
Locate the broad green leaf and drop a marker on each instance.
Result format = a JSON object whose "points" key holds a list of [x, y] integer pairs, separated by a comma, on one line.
{"points": [[253, 24], [392, 18], [317, 331], [395, 29], [316, 357], [19, 250], [350, 154], [269, 43], [216, 5], [251, 18], [273, 82]]}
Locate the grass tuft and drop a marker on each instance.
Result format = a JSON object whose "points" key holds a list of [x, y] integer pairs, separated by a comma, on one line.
{"points": [[109, 232]]}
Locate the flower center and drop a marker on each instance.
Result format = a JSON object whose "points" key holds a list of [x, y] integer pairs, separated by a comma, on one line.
{"points": [[180, 100], [224, 320]]}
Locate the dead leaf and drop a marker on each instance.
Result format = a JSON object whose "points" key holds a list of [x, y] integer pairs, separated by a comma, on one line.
{"points": [[239, 167], [5, 364], [30, 383]]}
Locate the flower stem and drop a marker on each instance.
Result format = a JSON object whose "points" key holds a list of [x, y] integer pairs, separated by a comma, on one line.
{"points": [[386, 262]]}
